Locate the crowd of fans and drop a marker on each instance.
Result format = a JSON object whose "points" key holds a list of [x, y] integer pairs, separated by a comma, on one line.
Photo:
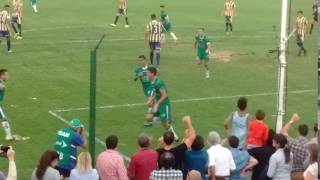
{"points": [[251, 151]]}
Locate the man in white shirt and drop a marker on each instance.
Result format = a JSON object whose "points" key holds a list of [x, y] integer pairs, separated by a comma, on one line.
{"points": [[220, 158]]}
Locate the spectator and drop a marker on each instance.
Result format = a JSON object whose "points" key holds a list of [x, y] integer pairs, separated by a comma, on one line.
{"points": [[194, 175], [280, 163], [298, 147], [239, 122], [45, 169], [244, 162], [258, 131], [262, 154], [313, 140], [110, 164], [12, 169], [67, 141], [167, 171], [311, 173], [84, 170], [220, 158], [144, 161], [178, 151], [196, 159]]}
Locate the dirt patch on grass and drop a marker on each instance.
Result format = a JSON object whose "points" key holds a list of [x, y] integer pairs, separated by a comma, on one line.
{"points": [[224, 56]]}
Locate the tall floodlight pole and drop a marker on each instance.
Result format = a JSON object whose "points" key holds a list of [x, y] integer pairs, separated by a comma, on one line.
{"points": [[282, 67]]}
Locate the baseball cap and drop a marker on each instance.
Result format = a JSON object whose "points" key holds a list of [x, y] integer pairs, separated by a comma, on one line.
{"points": [[75, 123]]}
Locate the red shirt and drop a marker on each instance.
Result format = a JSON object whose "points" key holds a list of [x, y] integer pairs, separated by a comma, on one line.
{"points": [[258, 133], [142, 164]]}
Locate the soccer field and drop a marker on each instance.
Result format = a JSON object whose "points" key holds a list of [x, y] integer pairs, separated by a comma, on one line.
{"points": [[49, 70]]}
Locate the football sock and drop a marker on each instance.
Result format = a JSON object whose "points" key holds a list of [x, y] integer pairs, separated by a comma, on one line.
{"points": [[9, 44], [14, 28], [173, 36], [116, 20], [206, 66], [20, 29], [311, 28], [6, 128], [227, 27], [151, 57], [158, 58], [34, 6], [127, 20], [230, 26]]}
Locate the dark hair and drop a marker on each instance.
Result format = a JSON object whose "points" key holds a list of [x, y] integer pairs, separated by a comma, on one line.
{"points": [[44, 162], [152, 70], [142, 57], [201, 28], [233, 141], [315, 127], [143, 141], [271, 135], [162, 6], [300, 12], [198, 143], [260, 115], [6, 6], [313, 150], [3, 71], [303, 130], [168, 137], [242, 103], [167, 160], [283, 144], [112, 142], [153, 16]]}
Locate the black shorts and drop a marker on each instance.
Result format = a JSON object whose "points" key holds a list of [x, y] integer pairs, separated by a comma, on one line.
{"points": [[315, 17], [122, 11]]}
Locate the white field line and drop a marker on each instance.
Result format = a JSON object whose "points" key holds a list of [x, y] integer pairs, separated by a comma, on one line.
{"points": [[99, 141], [187, 100]]}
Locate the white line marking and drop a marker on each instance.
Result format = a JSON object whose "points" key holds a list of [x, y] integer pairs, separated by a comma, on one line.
{"points": [[99, 141], [186, 100]]}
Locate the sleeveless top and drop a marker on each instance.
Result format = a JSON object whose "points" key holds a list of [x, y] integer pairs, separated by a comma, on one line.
{"points": [[239, 128]]}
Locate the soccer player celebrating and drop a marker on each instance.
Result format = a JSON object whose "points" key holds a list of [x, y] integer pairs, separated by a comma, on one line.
{"points": [[4, 120], [159, 100], [141, 72], [229, 12], [5, 26], [122, 11], [153, 34], [166, 25], [34, 5], [301, 28], [17, 18], [202, 44], [315, 15]]}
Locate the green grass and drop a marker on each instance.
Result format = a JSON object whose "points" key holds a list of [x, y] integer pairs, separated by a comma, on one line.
{"points": [[51, 63]]}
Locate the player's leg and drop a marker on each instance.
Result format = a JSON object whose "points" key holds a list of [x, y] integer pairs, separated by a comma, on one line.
{"points": [[206, 66], [5, 125], [230, 24], [168, 28], [151, 54], [126, 18], [13, 25], [19, 23], [227, 24], [7, 36], [157, 53], [117, 17], [34, 5], [300, 44]]}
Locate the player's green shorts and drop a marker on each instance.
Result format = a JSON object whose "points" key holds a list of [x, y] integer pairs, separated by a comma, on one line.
{"points": [[164, 112], [33, 2], [202, 56], [167, 26]]}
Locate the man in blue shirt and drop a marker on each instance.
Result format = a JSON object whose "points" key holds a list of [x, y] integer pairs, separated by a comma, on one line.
{"points": [[67, 141], [241, 158]]}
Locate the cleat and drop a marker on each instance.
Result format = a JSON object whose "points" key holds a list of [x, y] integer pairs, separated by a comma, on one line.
{"points": [[19, 37], [113, 25], [126, 26], [16, 35], [10, 51], [147, 124], [207, 74], [9, 138]]}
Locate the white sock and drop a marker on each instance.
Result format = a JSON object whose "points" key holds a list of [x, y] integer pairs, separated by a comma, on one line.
{"points": [[173, 36], [6, 128], [174, 133], [35, 8]]}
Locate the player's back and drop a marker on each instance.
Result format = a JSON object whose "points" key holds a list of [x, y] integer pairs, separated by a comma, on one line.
{"points": [[4, 18], [154, 27]]}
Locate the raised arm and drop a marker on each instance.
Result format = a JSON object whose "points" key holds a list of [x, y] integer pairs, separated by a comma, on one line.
{"points": [[295, 117], [227, 122], [191, 135]]}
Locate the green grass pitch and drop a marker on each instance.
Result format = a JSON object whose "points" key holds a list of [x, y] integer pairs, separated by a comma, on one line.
{"points": [[51, 64]]}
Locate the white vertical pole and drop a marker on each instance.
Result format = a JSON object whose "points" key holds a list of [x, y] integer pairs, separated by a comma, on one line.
{"points": [[282, 67]]}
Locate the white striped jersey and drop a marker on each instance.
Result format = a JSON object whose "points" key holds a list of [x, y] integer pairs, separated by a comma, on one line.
{"points": [[4, 21], [17, 9], [229, 7], [301, 25], [154, 28]]}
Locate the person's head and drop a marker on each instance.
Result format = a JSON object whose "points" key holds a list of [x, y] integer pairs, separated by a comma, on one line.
{"points": [[48, 159], [4, 74], [84, 162], [144, 140], [168, 138], [233, 142], [280, 142], [242, 103], [303, 130], [76, 124], [142, 60], [201, 31], [315, 128], [194, 175], [271, 135], [260, 115], [112, 142], [152, 72], [313, 151], [198, 143], [167, 160], [6, 7], [162, 7], [300, 13], [153, 16], [213, 138]]}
